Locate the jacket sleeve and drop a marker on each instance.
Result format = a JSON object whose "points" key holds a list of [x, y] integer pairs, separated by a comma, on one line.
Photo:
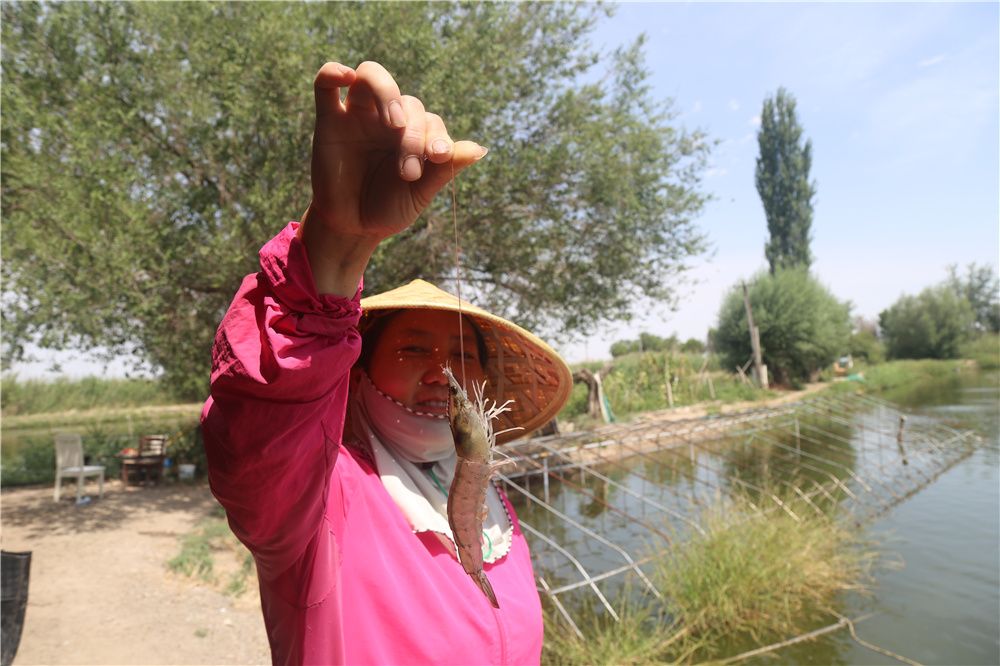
{"points": [[275, 418]]}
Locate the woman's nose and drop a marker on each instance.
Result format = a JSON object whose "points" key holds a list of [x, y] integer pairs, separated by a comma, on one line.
{"points": [[434, 374]]}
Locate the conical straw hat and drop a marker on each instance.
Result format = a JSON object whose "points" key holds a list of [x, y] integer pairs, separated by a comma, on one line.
{"points": [[519, 367]]}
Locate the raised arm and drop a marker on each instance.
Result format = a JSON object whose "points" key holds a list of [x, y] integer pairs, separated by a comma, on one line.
{"points": [[378, 158], [284, 350]]}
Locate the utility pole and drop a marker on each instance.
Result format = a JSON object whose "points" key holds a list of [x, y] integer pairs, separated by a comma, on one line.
{"points": [[759, 369]]}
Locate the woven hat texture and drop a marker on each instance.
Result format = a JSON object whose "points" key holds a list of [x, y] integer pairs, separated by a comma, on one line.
{"points": [[520, 366]]}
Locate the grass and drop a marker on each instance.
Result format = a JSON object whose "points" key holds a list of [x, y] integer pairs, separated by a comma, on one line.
{"points": [[203, 547], [109, 414], [27, 453], [642, 635], [36, 396], [638, 383], [761, 575], [752, 578], [984, 350]]}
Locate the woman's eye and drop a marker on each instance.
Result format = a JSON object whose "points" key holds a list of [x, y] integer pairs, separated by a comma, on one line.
{"points": [[413, 349]]}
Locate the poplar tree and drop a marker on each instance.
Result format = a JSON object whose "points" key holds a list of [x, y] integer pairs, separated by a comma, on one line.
{"points": [[782, 180]]}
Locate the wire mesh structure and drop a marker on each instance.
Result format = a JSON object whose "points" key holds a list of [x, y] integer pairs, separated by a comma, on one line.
{"points": [[597, 506]]}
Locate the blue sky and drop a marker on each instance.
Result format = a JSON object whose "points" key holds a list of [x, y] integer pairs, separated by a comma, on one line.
{"points": [[901, 104]]}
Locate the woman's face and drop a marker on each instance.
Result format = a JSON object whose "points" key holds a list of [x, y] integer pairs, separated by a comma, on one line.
{"points": [[409, 354]]}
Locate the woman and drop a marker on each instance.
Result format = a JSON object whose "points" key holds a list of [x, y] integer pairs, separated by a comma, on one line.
{"points": [[333, 456]]}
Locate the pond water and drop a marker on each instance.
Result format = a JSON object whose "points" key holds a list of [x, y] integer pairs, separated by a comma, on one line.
{"points": [[941, 606], [941, 603]]}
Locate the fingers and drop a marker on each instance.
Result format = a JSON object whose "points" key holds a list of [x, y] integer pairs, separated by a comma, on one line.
{"points": [[376, 90], [438, 143], [411, 146], [425, 138], [436, 176], [331, 77]]}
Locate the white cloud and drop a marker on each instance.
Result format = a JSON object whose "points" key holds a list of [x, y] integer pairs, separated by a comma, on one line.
{"points": [[754, 122], [716, 172], [927, 62], [697, 106], [734, 105]]}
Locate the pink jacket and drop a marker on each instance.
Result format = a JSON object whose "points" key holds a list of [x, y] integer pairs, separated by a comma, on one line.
{"points": [[343, 579]]}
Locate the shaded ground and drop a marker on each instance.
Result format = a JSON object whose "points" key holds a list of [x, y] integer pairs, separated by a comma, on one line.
{"points": [[100, 591]]}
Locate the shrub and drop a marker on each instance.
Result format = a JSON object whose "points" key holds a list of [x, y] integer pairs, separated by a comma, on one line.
{"points": [[933, 324], [647, 342], [984, 350], [693, 346], [803, 327], [865, 345]]}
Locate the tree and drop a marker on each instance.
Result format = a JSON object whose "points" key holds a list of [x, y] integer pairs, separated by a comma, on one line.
{"points": [[981, 288], [647, 342], [865, 343], [803, 327], [693, 346], [933, 324], [782, 180], [150, 149]]}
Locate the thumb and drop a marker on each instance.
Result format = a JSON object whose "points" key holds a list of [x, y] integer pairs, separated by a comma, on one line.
{"points": [[436, 176]]}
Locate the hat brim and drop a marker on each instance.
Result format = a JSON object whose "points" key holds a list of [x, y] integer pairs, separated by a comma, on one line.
{"points": [[520, 366]]}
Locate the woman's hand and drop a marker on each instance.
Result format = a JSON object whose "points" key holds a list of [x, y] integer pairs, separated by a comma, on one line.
{"points": [[378, 158]]}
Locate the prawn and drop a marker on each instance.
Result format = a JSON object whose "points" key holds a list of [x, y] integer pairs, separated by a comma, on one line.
{"points": [[472, 427]]}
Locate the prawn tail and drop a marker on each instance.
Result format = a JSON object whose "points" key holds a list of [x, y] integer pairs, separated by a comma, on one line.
{"points": [[484, 584]]}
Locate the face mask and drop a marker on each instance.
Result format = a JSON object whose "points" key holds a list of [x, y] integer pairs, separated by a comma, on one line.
{"points": [[417, 438]]}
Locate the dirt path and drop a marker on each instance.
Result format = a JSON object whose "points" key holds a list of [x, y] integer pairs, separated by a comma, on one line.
{"points": [[100, 592]]}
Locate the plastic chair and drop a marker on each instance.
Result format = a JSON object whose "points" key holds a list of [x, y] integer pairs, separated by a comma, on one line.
{"points": [[69, 463]]}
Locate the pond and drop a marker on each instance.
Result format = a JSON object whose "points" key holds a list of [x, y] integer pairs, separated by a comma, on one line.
{"points": [[941, 606]]}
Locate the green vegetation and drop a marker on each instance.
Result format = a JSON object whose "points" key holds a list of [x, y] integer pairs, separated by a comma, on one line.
{"points": [[933, 324], [984, 350], [201, 550], [109, 414], [865, 346], [150, 149], [981, 288], [782, 180], [803, 327], [766, 576], [28, 454], [887, 376], [648, 342], [754, 577], [37, 396], [643, 635], [637, 383]]}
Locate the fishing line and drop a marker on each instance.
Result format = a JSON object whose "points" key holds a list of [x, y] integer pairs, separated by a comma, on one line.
{"points": [[458, 268]]}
